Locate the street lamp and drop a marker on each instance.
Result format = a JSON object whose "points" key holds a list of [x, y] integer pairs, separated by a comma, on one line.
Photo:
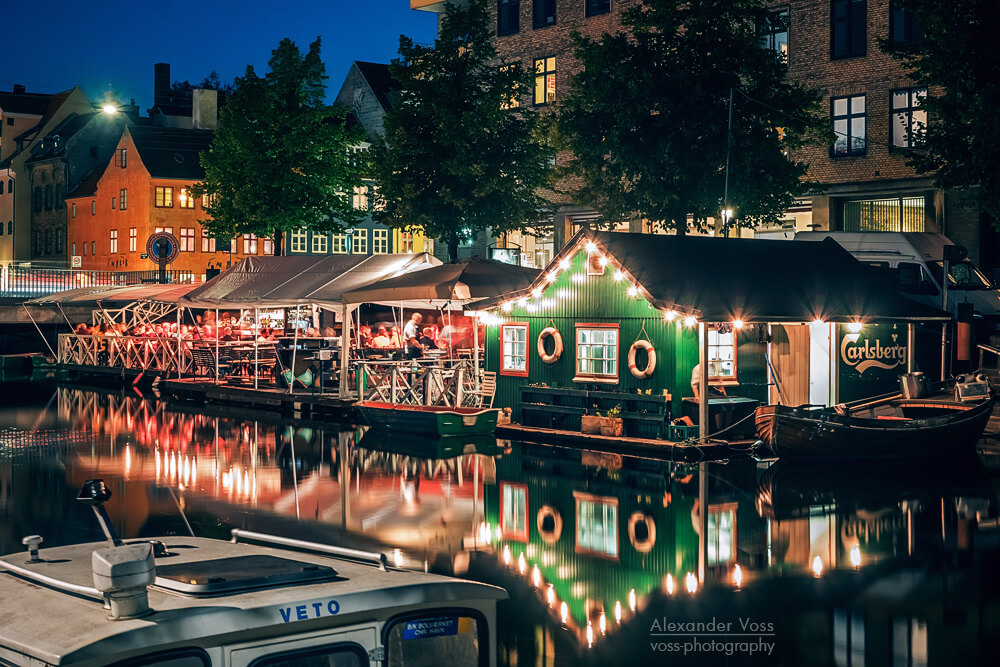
{"points": [[109, 108]]}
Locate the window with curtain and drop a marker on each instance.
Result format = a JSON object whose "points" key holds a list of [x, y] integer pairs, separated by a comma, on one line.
{"points": [[514, 356]]}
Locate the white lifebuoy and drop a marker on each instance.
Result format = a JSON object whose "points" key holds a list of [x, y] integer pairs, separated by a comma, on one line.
{"points": [[549, 523], [642, 532], [650, 364], [557, 345]]}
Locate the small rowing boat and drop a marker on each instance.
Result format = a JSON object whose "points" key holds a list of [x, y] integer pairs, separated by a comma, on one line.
{"points": [[429, 420]]}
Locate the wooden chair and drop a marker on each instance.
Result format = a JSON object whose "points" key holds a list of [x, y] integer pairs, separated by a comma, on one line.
{"points": [[487, 390]]}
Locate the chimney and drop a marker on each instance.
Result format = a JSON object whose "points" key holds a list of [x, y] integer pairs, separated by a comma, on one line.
{"points": [[161, 83], [18, 88], [204, 109]]}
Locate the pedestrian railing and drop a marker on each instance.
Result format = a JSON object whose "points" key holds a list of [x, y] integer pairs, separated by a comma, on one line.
{"points": [[450, 383], [133, 352], [25, 282]]}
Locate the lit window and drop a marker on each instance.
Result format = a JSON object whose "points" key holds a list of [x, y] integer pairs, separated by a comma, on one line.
{"points": [[132, 239], [514, 359], [187, 201], [114, 241], [901, 214], [338, 244], [359, 240], [320, 244], [168, 230], [596, 525], [774, 34], [514, 511], [123, 158], [848, 115], [122, 199], [721, 533], [163, 197], [267, 246], [545, 80], [596, 352], [406, 242], [187, 239], [298, 240], [848, 24], [359, 200], [544, 13], [721, 355], [207, 242], [249, 244], [848, 639], [908, 118], [380, 241]]}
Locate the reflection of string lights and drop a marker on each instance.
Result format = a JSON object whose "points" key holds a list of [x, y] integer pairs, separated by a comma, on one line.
{"points": [[602, 623], [506, 554], [856, 556], [738, 575], [590, 635], [522, 564], [618, 611], [669, 585], [536, 577], [564, 613], [631, 600], [817, 567], [691, 583], [550, 595]]}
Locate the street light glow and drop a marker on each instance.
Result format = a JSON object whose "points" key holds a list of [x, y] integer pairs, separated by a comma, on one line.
{"points": [[109, 109]]}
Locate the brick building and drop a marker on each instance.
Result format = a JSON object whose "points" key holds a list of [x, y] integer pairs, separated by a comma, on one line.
{"points": [[831, 46], [144, 189]]}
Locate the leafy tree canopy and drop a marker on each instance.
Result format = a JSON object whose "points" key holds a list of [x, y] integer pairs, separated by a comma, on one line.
{"points": [[211, 82], [956, 59], [646, 119], [459, 157], [282, 159]]}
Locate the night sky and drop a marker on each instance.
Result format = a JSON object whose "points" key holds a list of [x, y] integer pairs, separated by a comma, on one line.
{"points": [[52, 45]]}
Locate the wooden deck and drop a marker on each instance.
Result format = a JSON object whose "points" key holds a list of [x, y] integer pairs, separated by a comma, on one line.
{"points": [[639, 446], [264, 399]]}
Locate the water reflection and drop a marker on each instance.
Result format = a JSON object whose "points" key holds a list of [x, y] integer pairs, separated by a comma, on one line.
{"points": [[597, 550]]}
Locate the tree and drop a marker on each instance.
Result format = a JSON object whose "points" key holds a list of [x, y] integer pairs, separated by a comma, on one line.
{"points": [[459, 156], [647, 118], [956, 61], [282, 158], [211, 82]]}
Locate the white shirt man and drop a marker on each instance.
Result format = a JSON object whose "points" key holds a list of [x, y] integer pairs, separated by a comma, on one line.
{"points": [[411, 337]]}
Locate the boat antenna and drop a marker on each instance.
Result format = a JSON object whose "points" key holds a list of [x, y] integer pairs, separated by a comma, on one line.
{"points": [[95, 493]]}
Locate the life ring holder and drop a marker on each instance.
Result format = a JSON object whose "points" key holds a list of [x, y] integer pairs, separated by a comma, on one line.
{"points": [[646, 545], [557, 344], [642, 344], [549, 536]]}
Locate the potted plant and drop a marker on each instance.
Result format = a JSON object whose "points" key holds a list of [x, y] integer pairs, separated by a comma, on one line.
{"points": [[612, 423]]}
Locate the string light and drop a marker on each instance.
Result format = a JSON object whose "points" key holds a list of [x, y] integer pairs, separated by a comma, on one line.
{"points": [[602, 623], [633, 291], [590, 635], [619, 276], [818, 321], [690, 321], [537, 292], [507, 306], [855, 327], [564, 612], [603, 261], [522, 302], [817, 567], [564, 264], [738, 324], [737, 575], [506, 554], [551, 277], [631, 600], [522, 564], [856, 556], [670, 315], [669, 584], [618, 611], [550, 595], [536, 577], [591, 246]]}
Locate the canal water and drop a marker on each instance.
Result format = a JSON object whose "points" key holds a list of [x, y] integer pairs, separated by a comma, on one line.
{"points": [[598, 551]]}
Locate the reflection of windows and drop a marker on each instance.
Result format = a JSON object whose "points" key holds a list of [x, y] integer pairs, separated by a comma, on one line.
{"points": [[848, 115], [339, 244], [847, 28], [299, 240], [544, 13], [908, 118], [514, 357], [114, 241], [903, 214], [596, 525], [721, 355], [163, 197], [514, 511], [848, 639], [338, 655], [359, 241], [508, 17], [545, 80], [721, 533], [320, 243], [380, 241], [909, 642], [597, 351], [774, 34]]}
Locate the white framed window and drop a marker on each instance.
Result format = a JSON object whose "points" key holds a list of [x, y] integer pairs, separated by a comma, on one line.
{"points": [[849, 120], [132, 239], [380, 241], [596, 525], [186, 200], [514, 511], [163, 196], [249, 244], [187, 239], [114, 241], [320, 243], [168, 230], [207, 242], [514, 354], [298, 243], [596, 353], [267, 246], [909, 118], [359, 241], [406, 242], [721, 355], [360, 198], [122, 199], [338, 244]]}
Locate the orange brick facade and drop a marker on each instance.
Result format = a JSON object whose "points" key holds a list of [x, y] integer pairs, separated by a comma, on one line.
{"points": [[92, 219]]}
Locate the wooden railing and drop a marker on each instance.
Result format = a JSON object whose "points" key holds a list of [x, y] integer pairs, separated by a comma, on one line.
{"points": [[418, 382], [136, 352]]}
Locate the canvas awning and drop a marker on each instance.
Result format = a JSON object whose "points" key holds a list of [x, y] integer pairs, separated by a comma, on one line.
{"points": [[116, 294], [280, 282], [446, 285]]}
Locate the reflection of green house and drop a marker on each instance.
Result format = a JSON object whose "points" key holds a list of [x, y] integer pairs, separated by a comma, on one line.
{"points": [[578, 336], [600, 526]]}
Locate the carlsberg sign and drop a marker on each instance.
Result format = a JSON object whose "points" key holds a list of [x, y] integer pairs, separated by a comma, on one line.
{"points": [[861, 352]]}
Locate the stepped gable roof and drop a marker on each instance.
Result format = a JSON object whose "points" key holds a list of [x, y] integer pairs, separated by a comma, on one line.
{"points": [[170, 152]]}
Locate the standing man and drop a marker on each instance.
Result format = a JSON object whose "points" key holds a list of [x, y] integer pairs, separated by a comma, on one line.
{"points": [[411, 337]]}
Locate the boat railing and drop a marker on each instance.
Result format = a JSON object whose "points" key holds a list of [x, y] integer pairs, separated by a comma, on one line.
{"points": [[375, 557], [988, 349], [136, 352], [419, 382]]}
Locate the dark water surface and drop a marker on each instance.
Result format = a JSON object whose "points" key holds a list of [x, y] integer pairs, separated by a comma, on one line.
{"points": [[809, 565]]}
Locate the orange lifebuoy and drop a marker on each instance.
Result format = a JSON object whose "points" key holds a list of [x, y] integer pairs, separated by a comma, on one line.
{"points": [[642, 532], [650, 363], [557, 345]]}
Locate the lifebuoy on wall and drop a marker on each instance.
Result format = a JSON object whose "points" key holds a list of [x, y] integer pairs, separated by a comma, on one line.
{"points": [[642, 532], [557, 345], [549, 523], [650, 364]]}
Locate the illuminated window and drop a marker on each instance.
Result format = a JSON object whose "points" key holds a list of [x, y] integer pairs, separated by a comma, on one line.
{"points": [[187, 239], [514, 511], [168, 230], [163, 197], [545, 80], [848, 116], [123, 158], [359, 200], [114, 242], [902, 214], [132, 239], [596, 352], [721, 355], [544, 13], [406, 242], [514, 358], [298, 240], [721, 533], [380, 241], [122, 199], [908, 117], [774, 34], [508, 17], [359, 241], [338, 244], [249, 244], [320, 243], [267, 246], [207, 242], [596, 525], [187, 201]]}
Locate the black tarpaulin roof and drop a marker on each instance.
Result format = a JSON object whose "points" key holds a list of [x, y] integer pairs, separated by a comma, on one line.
{"points": [[456, 283], [721, 280]]}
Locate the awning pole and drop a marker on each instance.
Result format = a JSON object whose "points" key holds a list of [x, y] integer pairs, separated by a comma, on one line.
{"points": [[256, 357], [475, 350], [345, 352], [37, 328], [703, 466], [216, 350], [295, 347], [179, 354]]}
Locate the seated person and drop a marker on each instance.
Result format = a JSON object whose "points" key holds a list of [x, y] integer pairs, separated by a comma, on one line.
{"points": [[394, 338], [382, 339], [227, 335], [329, 332], [427, 339]]}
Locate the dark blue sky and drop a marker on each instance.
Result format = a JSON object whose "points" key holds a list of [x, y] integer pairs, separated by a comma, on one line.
{"points": [[52, 45]]}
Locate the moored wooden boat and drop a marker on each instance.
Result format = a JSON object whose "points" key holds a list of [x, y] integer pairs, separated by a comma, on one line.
{"points": [[429, 419], [905, 429]]}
